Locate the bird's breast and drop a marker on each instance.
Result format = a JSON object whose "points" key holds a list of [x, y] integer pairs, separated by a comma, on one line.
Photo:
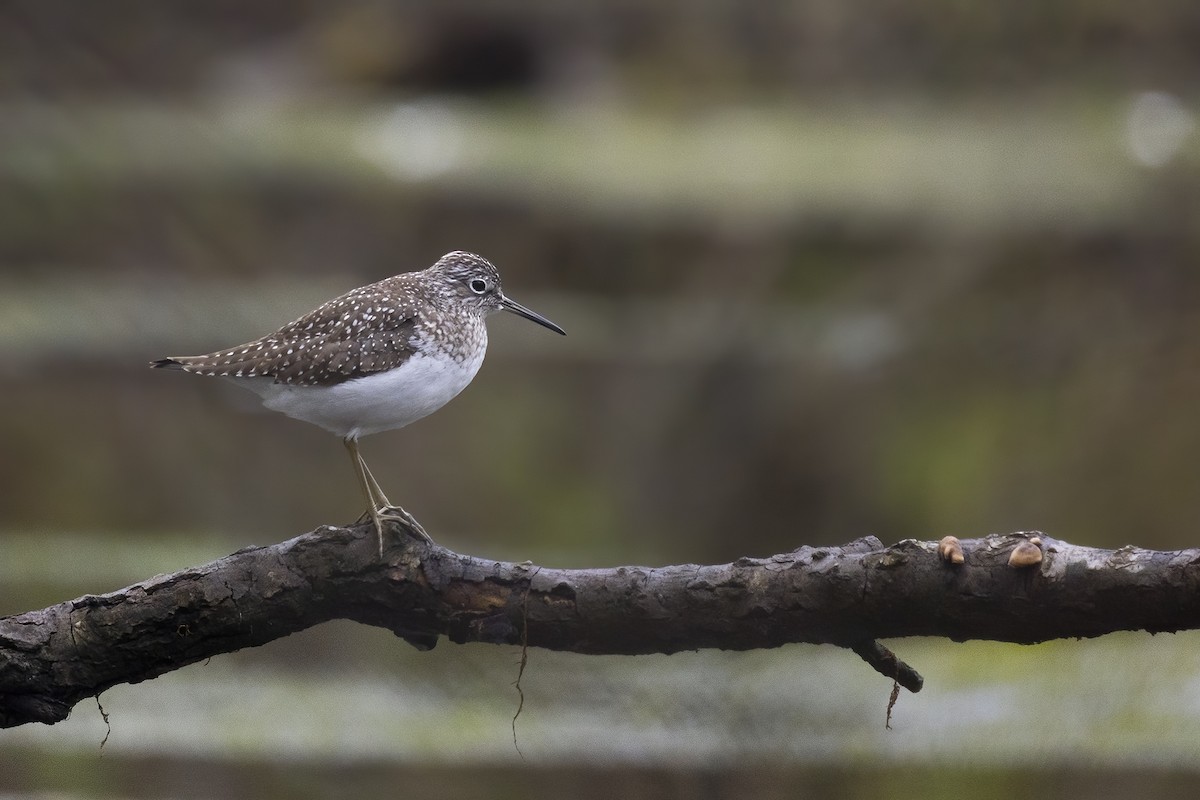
{"points": [[382, 401]]}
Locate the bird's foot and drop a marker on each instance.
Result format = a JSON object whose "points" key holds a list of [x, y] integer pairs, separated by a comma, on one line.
{"points": [[398, 514], [393, 514]]}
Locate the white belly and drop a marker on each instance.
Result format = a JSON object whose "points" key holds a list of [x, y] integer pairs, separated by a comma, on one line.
{"points": [[375, 403]]}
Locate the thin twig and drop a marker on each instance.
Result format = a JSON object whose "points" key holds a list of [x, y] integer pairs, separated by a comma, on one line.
{"points": [[524, 659]]}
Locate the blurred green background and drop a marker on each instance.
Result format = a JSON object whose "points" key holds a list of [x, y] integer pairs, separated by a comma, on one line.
{"points": [[827, 270]]}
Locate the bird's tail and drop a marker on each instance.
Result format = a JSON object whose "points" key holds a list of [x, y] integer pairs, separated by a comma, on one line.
{"points": [[166, 363]]}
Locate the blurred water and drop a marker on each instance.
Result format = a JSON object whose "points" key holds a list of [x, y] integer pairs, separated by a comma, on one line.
{"points": [[997, 708]]}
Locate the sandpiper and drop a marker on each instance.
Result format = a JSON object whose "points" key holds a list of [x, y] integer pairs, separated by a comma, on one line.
{"points": [[376, 358]]}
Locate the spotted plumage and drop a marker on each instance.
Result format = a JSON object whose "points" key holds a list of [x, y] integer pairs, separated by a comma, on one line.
{"points": [[367, 330], [377, 358]]}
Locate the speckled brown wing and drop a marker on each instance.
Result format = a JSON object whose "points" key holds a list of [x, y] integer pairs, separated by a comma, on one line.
{"points": [[328, 360], [360, 333]]}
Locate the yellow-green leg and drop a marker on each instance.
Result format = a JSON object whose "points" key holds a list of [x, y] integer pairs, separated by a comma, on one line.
{"points": [[381, 500], [379, 507]]}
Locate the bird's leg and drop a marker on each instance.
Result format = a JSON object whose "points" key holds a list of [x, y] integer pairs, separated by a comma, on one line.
{"points": [[381, 500], [360, 469], [379, 507], [389, 510]]}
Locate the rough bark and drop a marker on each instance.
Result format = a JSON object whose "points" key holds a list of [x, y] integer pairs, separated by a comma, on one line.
{"points": [[849, 596]]}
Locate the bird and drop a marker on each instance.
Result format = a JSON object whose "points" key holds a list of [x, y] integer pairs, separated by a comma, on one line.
{"points": [[376, 358]]}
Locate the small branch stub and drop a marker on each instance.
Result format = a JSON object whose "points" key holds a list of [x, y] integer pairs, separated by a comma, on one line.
{"points": [[1027, 553], [950, 550]]}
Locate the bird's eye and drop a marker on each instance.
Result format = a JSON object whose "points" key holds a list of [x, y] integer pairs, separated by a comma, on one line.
{"points": [[478, 285]]}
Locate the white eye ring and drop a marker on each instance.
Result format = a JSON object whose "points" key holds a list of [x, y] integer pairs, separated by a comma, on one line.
{"points": [[478, 285]]}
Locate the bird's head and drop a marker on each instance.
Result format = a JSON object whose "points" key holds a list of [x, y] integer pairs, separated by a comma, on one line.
{"points": [[474, 280]]}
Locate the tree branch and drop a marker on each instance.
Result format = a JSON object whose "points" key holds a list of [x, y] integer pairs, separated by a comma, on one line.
{"points": [[1003, 589]]}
